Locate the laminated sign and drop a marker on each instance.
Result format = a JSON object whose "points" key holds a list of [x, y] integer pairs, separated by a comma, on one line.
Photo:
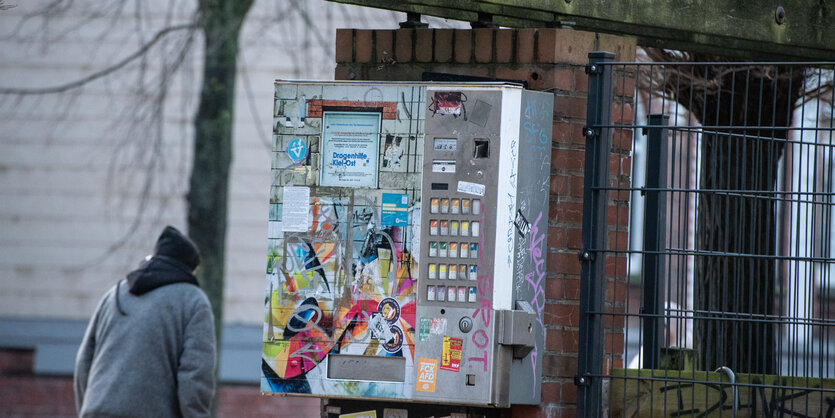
{"points": [[350, 141]]}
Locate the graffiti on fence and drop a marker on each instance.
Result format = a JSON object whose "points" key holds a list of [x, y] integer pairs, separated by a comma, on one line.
{"points": [[702, 394]]}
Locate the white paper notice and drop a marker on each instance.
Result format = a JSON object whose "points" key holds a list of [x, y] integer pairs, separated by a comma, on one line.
{"points": [[350, 147], [295, 209], [471, 188]]}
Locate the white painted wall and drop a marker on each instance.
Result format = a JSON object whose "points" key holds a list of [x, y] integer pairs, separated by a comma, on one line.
{"points": [[73, 165]]}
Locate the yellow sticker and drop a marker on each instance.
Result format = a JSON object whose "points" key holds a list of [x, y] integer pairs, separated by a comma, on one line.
{"points": [[364, 414], [451, 353], [427, 371]]}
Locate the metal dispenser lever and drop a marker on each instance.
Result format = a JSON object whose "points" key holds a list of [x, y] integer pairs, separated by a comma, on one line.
{"points": [[517, 328]]}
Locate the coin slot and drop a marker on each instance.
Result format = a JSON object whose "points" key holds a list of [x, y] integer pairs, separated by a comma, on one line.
{"points": [[482, 149]]}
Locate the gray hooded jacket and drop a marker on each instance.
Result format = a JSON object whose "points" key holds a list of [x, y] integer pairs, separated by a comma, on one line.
{"points": [[149, 350]]}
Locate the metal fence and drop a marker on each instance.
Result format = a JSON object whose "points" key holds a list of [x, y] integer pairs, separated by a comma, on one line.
{"points": [[716, 295]]}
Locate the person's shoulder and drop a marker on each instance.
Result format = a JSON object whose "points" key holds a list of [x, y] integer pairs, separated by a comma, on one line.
{"points": [[189, 298], [184, 291]]}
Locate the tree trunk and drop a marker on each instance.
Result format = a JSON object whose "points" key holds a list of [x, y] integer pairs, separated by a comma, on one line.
{"points": [[735, 286], [736, 226], [221, 22]]}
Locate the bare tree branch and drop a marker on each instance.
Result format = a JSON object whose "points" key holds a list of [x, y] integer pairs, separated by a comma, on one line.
{"points": [[152, 162], [104, 72], [709, 80]]}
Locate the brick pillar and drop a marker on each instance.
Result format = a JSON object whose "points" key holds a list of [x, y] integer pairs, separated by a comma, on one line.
{"points": [[547, 59]]}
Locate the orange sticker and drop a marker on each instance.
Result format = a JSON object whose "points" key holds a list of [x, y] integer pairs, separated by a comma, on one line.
{"points": [[427, 371]]}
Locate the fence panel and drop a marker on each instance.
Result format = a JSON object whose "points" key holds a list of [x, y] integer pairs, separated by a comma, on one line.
{"points": [[719, 297]]}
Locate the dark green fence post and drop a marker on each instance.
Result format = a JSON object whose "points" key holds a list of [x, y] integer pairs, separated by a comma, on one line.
{"points": [[593, 257]]}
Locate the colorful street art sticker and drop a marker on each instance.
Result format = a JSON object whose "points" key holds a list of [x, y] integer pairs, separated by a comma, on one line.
{"points": [[471, 188], [423, 329], [438, 326], [390, 310], [380, 330], [394, 344], [427, 372], [297, 150], [395, 210], [393, 153], [296, 205], [448, 103], [451, 354], [522, 224]]}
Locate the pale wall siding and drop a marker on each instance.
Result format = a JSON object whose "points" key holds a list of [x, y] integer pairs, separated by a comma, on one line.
{"points": [[69, 178]]}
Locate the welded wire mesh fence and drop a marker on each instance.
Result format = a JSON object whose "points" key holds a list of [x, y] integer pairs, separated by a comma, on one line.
{"points": [[728, 262]]}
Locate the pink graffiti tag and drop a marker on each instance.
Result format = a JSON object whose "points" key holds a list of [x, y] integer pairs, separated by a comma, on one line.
{"points": [[485, 289], [538, 300], [484, 309]]}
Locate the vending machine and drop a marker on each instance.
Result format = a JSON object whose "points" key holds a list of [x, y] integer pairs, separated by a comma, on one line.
{"points": [[407, 242]]}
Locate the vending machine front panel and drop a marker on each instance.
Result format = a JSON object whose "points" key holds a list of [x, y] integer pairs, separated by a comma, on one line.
{"points": [[400, 258]]}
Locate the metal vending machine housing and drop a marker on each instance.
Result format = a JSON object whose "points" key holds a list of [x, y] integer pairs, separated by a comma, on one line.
{"points": [[407, 242]]}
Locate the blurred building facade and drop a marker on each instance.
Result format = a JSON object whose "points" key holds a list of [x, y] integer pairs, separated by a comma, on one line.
{"points": [[92, 171]]}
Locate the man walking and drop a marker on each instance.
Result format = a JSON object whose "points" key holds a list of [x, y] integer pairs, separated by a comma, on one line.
{"points": [[149, 350]]}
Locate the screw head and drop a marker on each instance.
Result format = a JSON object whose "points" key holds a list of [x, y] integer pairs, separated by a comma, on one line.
{"points": [[780, 15]]}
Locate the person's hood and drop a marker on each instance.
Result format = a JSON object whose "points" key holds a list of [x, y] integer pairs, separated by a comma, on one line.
{"points": [[175, 258]]}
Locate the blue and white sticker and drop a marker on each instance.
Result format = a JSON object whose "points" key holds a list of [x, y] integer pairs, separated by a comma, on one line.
{"points": [[395, 209], [390, 310], [297, 150], [393, 344]]}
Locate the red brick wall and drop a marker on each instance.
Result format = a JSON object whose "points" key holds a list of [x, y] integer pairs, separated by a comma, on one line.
{"points": [[23, 394], [552, 60]]}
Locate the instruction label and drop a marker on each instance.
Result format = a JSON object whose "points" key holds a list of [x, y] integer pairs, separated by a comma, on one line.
{"points": [[443, 166], [471, 188]]}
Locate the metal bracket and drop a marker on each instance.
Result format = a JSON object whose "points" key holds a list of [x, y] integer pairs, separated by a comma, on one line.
{"points": [[413, 21], [516, 328], [585, 255], [732, 378], [589, 131], [485, 20]]}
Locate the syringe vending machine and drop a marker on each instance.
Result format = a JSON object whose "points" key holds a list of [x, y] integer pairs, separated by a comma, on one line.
{"points": [[407, 242]]}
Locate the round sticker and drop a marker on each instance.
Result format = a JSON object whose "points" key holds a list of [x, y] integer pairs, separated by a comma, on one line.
{"points": [[297, 150], [393, 345], [390, 310]]}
